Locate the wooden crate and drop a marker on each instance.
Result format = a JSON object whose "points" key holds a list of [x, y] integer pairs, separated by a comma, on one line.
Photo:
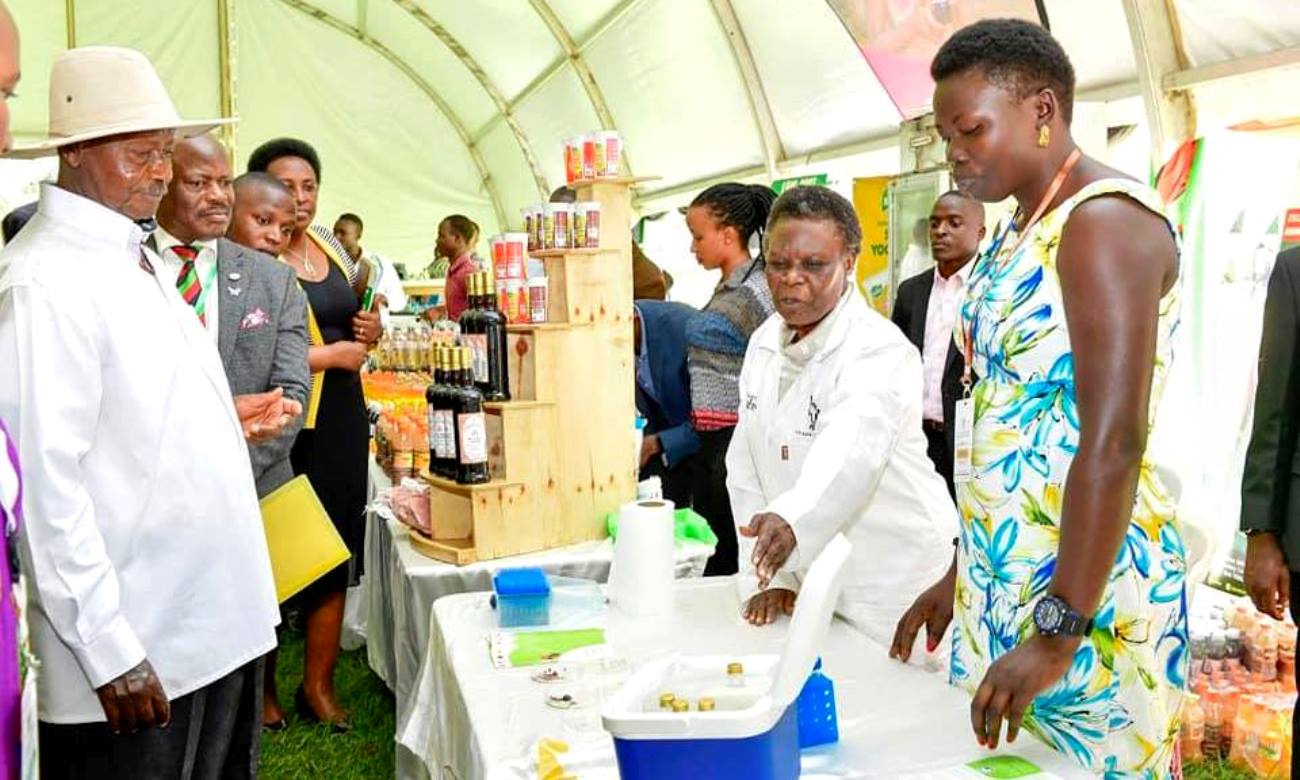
{"points": [[561, 453]]}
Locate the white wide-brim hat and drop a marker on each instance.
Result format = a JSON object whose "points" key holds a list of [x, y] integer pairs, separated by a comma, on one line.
{"points": [[101, 91]]}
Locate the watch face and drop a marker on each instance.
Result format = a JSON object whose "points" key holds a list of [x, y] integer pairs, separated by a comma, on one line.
{"points": [[1048, 616]]}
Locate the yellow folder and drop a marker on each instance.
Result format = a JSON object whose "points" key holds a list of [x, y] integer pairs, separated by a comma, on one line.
{"points": [[303, 542]]}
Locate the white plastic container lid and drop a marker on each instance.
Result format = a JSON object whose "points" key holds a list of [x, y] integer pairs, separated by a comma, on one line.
{"points": [[624, 717]]}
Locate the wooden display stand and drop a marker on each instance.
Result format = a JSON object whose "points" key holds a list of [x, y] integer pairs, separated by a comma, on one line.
{"points": [[561, 453]]}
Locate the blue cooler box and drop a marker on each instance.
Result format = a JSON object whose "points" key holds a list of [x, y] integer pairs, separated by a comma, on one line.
{"points": [[753, 733]]}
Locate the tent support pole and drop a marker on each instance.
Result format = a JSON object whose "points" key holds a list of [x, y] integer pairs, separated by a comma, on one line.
{"points": [[758, 105], [485, 177], [225, 62], [610, 19], [574, 54], [454, 46], [1158, 53], [70, 22]]}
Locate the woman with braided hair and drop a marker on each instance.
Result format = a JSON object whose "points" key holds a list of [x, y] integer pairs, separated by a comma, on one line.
{"points": [[723, 220]]}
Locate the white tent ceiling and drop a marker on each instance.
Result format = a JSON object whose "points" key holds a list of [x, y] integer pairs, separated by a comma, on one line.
{"points": [[422, 108]]}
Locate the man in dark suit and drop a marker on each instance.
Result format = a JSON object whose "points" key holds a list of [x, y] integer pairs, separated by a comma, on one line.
{"points": [[663, 396], [249, 302], [927, 308], [1270, 510]]}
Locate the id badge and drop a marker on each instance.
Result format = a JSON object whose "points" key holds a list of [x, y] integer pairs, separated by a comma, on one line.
{"points": [[963, 440]]}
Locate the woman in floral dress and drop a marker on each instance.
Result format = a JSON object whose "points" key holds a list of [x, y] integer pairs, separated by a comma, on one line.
{"points": [[1067, 588]]}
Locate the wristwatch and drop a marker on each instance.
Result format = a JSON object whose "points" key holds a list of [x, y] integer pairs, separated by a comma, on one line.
{"points": [[1054, 617]]}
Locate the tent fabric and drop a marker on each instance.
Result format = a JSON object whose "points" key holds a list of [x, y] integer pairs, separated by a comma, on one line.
{"points": [[395, 92]]}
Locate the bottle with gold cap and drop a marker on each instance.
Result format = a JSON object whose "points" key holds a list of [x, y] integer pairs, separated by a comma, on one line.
{"points": [[681, 705], [706, 704], [471, 429], [666, 701], [736, 674]]}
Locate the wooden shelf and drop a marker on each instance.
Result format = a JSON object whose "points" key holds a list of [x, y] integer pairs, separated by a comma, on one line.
{"points": [[505, 406], [458, 552], [424, 286], [533, 327], [455, 488], [582, 252], [628, 180]]}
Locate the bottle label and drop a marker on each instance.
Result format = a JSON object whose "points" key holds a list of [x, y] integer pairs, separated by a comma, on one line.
{"points": [[477, 343], [446, 440], [473, 438], [435, 439]]}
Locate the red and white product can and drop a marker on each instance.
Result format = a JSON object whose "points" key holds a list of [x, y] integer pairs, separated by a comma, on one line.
{"points": [[516, 251], [537, 295], [589, 144], [573, 162], [563, 225], [498, 244], [590, 223], [609, 154]]}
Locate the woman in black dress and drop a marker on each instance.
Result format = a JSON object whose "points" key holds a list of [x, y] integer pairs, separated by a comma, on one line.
{"points": [[333, 446]]}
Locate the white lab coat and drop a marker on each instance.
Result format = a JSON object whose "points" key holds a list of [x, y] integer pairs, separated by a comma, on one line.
{"points": [[843, 450], [143, 536]]}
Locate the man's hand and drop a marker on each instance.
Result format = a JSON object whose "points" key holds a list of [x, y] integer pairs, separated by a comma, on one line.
{"points": [[135, 701], [650, 447], [1014, 681], [933, 609], [1268, 578], [264, 416], [764, 608], [776, 541], [348, 355], [367, 327]]}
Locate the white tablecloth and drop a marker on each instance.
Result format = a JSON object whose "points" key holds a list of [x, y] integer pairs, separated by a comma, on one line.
{"points": [[895, 720], [401, 585]]}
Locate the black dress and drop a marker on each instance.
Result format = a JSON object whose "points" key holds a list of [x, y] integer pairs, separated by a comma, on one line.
{"points": [[334, 454]]}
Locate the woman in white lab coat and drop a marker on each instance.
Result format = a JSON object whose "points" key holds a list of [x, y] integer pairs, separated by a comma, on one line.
{"points": [[829, 438]]}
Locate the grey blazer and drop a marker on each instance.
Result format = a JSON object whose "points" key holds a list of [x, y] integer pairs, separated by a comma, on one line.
{"points": [[262, 338]]}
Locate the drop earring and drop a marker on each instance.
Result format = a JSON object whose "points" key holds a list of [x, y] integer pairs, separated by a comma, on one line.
{"points": [[1044, 136]]}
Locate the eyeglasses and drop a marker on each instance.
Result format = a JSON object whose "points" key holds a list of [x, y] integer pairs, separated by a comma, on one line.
{"points": [[813, 267]]}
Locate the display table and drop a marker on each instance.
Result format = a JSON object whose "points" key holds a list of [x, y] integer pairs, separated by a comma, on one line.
{"points": [[400, 586], [477, 722]]}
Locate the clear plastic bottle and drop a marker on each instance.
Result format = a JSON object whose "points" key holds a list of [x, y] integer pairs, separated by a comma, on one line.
{"points": [[1212, 716], [1193, 731], [1268, 655]]}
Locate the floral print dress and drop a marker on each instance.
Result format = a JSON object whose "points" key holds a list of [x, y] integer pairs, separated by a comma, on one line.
{"points": [[1116, 710]]}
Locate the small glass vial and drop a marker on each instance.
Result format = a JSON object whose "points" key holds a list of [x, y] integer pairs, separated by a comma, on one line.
{"points": [[666, 700], [736, 675], [706, 704], [681, 705]]}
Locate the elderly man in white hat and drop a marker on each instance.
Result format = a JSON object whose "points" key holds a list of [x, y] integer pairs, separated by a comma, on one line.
{"points": [[153, 599]]}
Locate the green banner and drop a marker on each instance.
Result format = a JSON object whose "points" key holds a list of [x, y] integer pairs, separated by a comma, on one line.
{"points": [[816, 180]]}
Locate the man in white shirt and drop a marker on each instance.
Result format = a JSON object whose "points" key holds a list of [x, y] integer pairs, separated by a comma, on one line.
{"points": [[152, 595], [927, 308], [392, 297]]}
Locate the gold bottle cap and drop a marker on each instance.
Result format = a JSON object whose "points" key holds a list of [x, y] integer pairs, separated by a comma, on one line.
{"points": [[735, 668], [666, 700], [706, 704], [681, 705]]}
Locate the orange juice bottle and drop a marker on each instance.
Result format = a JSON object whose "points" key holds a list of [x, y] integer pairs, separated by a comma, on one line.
{"points": [[1193, 730]]}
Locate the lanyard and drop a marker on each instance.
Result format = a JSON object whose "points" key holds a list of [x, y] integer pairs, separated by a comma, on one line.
{"points": [[996, 247]]}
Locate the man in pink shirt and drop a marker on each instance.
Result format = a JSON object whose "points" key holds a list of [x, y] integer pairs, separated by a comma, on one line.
{"points": [[926, 309], [456, 236]]}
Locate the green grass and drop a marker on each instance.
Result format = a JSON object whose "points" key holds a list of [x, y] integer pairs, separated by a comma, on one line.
{"points": [[1215, 771], [307, 750]]}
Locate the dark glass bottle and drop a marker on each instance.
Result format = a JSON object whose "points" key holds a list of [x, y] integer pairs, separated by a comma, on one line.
{"points": [[442, 418], [497, 344], [432, 403], [471, 430], [471, 330]]}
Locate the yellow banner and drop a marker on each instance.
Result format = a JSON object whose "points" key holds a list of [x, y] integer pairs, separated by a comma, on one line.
{"points": [[871, 201]]}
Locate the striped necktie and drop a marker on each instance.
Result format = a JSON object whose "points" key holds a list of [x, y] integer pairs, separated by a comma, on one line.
{"points": [[187, 281]]}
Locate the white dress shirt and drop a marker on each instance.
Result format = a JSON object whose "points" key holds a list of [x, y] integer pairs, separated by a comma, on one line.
{"points": [[143, 535], [205, 265], [390, 284], [940, 318], [841, 450]]}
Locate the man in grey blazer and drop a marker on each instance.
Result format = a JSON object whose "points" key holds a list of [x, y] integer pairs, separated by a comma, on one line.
{"points": [[249, 302]]}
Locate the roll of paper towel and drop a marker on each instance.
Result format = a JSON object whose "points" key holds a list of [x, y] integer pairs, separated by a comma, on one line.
{"points": [[641, 579]]}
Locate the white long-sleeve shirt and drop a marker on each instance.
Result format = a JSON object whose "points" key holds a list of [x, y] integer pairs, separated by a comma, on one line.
{"points": [[840, 449], [143, 536]]}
